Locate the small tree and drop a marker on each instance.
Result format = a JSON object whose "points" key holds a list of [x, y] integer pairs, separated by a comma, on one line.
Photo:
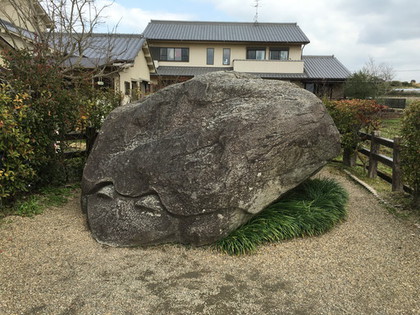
{"points": [[360, 86], [351, 117], [372, 81], [411, 149]]}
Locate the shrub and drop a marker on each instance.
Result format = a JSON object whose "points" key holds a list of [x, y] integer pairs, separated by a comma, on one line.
{"points": [[39, 106], [411, 148], [16, 144], [313, 208], [52, 105], [96, 106], [353, 116]]}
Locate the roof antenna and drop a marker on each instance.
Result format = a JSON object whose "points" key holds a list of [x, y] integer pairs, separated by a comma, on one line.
{"points": [[256, 6]]}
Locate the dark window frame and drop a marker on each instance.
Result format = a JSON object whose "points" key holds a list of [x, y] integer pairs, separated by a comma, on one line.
{"points": [[180, 54], [226, 58], [210, 56], [127, 88], [251, 53], [279, 50]]}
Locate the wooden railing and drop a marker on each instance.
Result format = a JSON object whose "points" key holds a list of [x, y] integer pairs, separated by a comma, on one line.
{"points": [[394, 162], [88, 136]]}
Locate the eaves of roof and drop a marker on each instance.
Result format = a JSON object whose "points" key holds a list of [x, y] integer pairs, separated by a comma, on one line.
{"points": [[15, 30], [315, 68], [175, 71], [193, 71]]}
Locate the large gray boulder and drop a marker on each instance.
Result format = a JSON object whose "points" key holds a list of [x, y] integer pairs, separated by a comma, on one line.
{"points": [[196, 160]]}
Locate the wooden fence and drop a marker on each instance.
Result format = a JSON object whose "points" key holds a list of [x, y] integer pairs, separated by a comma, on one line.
{"points": [[393, 102], [88, 139], [394, 162]]}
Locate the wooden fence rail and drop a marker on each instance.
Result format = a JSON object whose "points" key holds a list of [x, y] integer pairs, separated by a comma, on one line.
{"points": [[88, 136], [394, 162]]}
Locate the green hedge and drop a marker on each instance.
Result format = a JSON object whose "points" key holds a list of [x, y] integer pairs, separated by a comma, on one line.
{"points": [[410, 152], [16, 149]]}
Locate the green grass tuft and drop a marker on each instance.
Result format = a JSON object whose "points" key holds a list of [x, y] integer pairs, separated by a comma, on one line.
{"points": [[56, 196], [311, 209], [28, 207], [31, 205]]}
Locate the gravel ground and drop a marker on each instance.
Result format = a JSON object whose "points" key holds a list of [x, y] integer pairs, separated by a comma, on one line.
{"points": [[368, 265]]}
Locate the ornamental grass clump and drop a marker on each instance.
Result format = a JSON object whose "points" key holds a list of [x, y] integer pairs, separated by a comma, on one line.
{"points": [[313, 208]]}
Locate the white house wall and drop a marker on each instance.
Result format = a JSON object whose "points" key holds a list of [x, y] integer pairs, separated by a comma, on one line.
{"points": [[138, 72]]}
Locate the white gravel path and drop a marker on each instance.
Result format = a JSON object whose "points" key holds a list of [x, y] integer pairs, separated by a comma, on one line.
{"points": [[368, 265]]}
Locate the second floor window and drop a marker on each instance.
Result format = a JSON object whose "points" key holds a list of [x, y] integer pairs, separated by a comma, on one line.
{"points": [[174, 54], [279, 53], [255, 53], [226, 56], [210, 56]]}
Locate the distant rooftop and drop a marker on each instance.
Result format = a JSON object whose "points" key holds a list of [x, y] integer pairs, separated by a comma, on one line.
{"points": [[225, 32], [325, 67], [123, 47], [101, 49]]}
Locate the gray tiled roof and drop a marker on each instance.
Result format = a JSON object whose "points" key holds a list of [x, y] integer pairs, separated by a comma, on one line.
{"points": [[325, 67], [187, 71], [284, 76], [315, 67], [225, 31], [101, 49], [193, 71], [115, 47]]}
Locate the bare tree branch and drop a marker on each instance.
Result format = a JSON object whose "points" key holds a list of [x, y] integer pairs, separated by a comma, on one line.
{"points": [[64, 26]]}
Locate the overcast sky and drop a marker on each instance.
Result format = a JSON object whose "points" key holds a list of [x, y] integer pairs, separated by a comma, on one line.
{"points": [[352, 30]]}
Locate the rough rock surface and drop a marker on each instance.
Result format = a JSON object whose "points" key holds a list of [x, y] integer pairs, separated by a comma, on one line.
{"points": [[196, 160]]}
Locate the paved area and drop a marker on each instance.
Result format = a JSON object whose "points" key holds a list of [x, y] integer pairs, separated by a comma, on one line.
{"points": [[368, 265]]}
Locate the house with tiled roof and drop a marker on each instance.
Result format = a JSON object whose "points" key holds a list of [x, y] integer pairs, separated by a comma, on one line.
{"points": [[184, 49], [123, 61], [120, 61]]}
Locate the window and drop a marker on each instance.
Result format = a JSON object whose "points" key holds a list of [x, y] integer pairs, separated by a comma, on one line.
{"points": [[310, 87], [127, 88], [226, 56], [210, 56], [279, 53], [255, 53], [174, 54], [134, 91]]}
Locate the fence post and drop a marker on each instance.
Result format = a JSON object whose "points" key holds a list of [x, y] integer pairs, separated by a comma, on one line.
{"points": [[349, 157], [91, 134], [397, 176], [374, 149]]}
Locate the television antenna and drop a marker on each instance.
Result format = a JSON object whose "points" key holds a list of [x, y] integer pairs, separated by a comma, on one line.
{"points": [[256, 6]]}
